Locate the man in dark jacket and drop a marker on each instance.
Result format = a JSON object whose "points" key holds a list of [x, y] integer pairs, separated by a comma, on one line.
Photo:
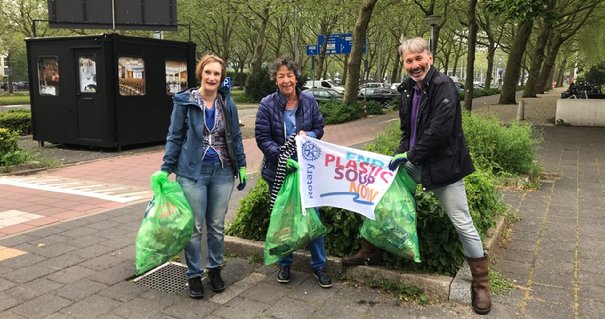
{"points": [[433, 152]]}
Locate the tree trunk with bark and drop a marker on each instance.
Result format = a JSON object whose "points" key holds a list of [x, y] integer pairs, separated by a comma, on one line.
{"points": [[354, 63], [470, 57], [257, 58], [531, 87], [513, 65], [544, 82]]}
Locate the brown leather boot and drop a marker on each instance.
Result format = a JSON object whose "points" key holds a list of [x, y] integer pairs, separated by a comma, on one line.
{"points": [[367, 255], [480, 292]]}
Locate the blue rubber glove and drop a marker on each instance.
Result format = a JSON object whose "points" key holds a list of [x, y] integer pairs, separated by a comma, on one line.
{"points": [[242, 178], [398, 160], [291, 166]]}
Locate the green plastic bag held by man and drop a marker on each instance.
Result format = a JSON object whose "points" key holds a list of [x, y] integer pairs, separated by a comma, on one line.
{"points": [[166, 227], [291, 227], [394, 226]]}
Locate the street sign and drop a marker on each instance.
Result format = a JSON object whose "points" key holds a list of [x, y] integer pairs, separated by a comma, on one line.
{"points": [[338, 43], [227, 83], [312, 49]]}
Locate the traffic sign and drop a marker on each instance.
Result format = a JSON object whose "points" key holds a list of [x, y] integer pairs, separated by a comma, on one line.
{"points": [[227, 83], [338, 43], [312, 49]]}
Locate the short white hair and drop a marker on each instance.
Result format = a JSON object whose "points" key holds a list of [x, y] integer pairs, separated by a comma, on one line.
{"points": [[414, 45]]}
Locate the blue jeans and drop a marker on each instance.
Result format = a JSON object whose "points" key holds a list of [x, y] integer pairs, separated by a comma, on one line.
{"points": [[316, 247], [208, 198], [453, 199]]}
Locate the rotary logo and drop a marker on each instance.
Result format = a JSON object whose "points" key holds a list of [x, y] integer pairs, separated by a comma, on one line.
{"points": [[310, 151]]}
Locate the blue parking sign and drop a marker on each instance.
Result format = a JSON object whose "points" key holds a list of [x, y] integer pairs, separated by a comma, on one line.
{"points": [[227, 83]]}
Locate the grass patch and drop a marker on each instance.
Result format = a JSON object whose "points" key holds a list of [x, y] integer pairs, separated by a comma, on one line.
{"points": [[239, 96], [403, 292], [14, 99], [498, 284], [255, 259]]}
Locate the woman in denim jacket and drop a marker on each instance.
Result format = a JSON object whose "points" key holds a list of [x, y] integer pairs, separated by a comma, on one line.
{"points": [[204, 149]]}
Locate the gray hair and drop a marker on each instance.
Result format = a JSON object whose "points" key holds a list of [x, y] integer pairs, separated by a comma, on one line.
{"points": [[414, 45], [289, 63]]}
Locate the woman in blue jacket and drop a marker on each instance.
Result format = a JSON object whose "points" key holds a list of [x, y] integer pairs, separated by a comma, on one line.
{"points": [[281, 114], [204, 149]]}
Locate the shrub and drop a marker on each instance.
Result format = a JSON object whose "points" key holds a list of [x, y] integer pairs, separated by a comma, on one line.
{"points": [[501, 149], [374, 108], [10, 154], [336, 112], [252, 216], [19, 121], [259, 85], [440, 248]]}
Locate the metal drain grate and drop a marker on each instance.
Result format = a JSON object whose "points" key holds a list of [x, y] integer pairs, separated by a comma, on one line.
{"points": [[170, 277]]}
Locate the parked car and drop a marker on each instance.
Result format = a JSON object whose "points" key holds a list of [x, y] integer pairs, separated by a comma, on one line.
{"points": [[460, 87], [394, 86], [374, 85], [326, 84], [325, 95], [381, 95]]}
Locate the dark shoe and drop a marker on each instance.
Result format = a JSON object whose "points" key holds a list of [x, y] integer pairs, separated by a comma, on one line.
{"points": [[216, 282], [196, 289], [480, 291], [323, 278], [367, 255], [283, 275]]}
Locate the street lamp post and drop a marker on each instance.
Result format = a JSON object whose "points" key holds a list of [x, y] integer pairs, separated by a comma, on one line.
{"points": [[433, 21]]}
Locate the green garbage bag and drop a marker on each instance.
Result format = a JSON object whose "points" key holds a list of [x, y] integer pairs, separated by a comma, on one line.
{"points": [[166, 227], [290, 226], [394, 227]]}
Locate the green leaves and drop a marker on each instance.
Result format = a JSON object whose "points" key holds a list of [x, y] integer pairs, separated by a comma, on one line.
{"points": [[516, 9]]}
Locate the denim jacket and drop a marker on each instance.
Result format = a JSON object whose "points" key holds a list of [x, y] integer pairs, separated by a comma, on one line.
{"points": [[184, 144]]}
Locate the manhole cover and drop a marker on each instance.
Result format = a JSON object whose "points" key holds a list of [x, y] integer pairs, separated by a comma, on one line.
{"points": [[170, 277]]}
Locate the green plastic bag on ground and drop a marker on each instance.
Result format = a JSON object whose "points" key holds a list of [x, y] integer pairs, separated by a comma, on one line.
{"points": [[290, 226], [166, 227], [394, 228]]}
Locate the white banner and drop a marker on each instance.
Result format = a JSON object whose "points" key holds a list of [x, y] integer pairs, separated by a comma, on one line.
{"points": [[344, 177]]}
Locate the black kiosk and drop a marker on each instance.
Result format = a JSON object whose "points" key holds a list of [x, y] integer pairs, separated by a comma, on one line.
{"points": [[105, 90]]}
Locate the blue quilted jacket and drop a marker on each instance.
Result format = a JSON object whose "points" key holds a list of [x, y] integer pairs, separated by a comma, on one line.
{"points": [[270, 129]]}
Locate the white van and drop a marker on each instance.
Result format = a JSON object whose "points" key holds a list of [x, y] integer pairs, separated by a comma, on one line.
{"points": [[323, 84]]}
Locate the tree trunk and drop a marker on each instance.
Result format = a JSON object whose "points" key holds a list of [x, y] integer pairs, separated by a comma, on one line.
{"points": [[257, 58], [536, 63], [354, 63], [470, 57], [513, 65], [531, 87], [561, 73], [395, 74], [491, 49], [549, 63], [344, 72], [322, 53]]}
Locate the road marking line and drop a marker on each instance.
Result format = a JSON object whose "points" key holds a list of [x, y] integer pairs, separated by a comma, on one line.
{"points": [[42, 183]]}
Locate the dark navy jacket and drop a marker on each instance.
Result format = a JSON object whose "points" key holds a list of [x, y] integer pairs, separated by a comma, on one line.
{"points": [[440, 146], [184, 143], [270, 130]]}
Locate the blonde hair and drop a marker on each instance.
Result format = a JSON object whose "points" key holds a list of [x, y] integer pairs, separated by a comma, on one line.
{"points": [[208, 58], [414, 45]]}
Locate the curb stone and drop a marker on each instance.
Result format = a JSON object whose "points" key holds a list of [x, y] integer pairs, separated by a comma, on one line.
{"points": [[438, 287]]}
